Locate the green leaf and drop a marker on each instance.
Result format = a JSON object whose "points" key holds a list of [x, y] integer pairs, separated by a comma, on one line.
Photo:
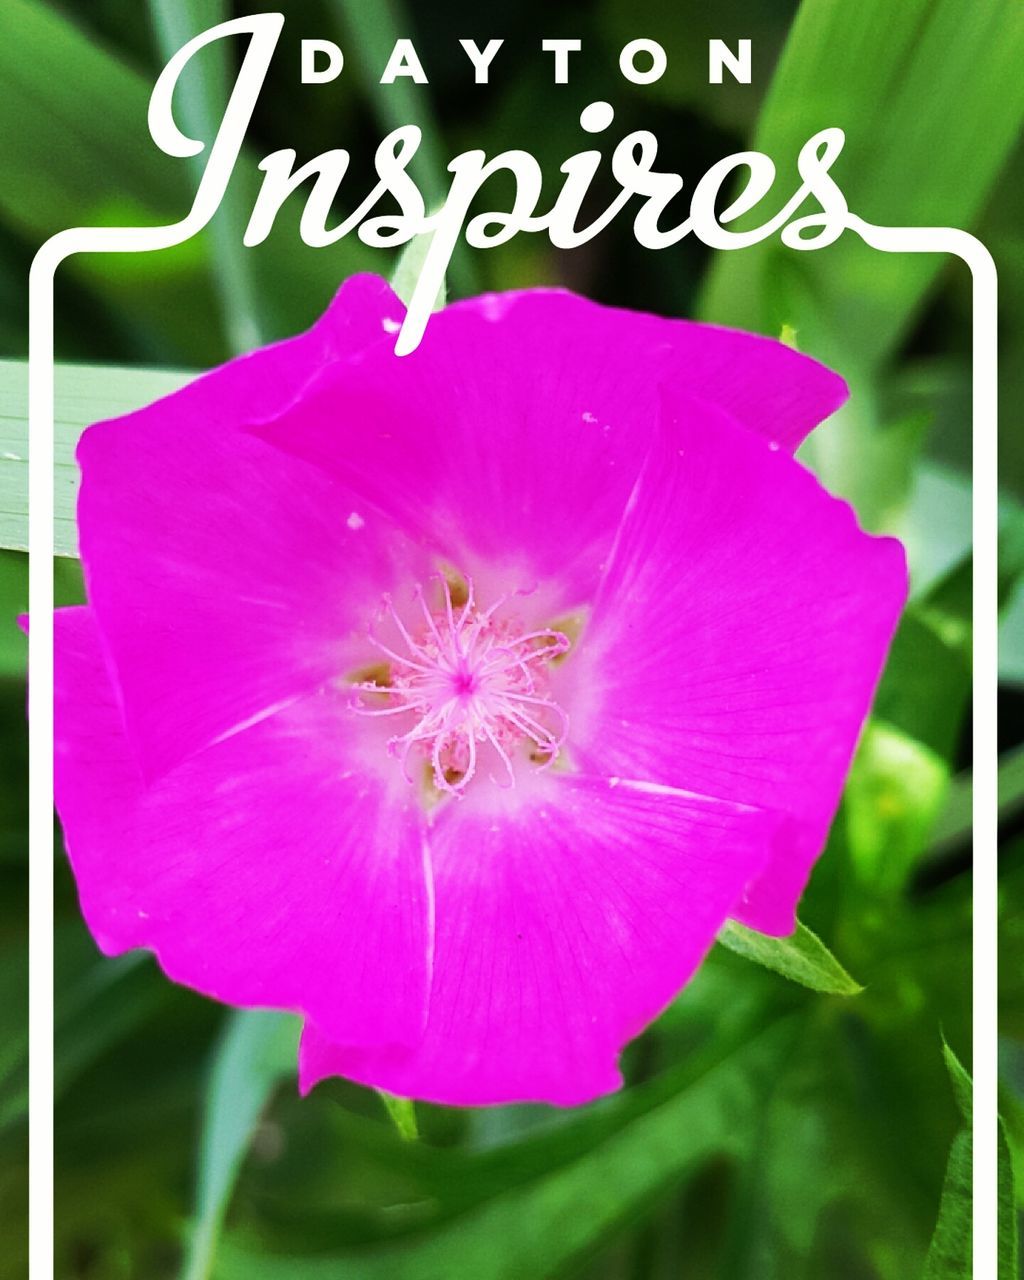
{"points": [[615, 1159], [256, 1050], [98, 1003], [789, 337], [802, 957], [935, 525], [201, 96], [14, 594], [372, 31], [1011, 642], [926, 139], [71, 99], [963, 1088], [83, 394], [955, 819], [1011, 597], [79, 122], [926, 682], [1011, 548], [1006, 1191], [402, 1112], [14, 1026], [949, 1254], [683, 29], [1011, 783], [894, 795]]}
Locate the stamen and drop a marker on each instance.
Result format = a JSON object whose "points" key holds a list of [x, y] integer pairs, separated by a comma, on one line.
{"points": [[467, 681], [396, 657]]}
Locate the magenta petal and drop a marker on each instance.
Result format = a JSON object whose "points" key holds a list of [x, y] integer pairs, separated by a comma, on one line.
{"points": [[738, 637], [771, 389], [563, 928], [514, 432], [224, 575], [262, 383], [226, 578], [270, 870], [724, 624]]}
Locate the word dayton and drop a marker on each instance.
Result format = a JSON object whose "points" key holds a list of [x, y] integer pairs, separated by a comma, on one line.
{"points": [[323, 61], [631, 163]]}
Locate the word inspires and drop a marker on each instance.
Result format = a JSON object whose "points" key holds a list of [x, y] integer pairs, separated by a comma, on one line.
{"points": [[640, 61], [810, 212]]}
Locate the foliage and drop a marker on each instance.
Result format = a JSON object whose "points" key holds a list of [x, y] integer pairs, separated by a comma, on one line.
{"points": [[768, 1128]]}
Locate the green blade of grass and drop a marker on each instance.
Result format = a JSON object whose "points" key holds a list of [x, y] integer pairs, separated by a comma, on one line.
{"points": [[84, 394], [372, 31], [927, 134], [100, 169], [257, 1048], [202, 95], [77, 102], [613, 1164]]}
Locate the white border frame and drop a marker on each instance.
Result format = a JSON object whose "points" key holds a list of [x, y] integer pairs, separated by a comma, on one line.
{"points": [[41, 553]]}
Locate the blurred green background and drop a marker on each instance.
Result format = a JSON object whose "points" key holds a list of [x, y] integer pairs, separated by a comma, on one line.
{"points": [[766, 1130]]}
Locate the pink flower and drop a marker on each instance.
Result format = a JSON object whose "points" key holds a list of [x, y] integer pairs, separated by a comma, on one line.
{"points": [[455, 701]]}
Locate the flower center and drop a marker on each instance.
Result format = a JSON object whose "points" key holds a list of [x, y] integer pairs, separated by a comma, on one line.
{"points": [[470, 686]]}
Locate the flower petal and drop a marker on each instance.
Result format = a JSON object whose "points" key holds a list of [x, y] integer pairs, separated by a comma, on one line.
{"points": [[515, 431], [218, 568], [262, 383], [268, 871], [774, 391], [227, 579], [738, 638], [563, 928]]}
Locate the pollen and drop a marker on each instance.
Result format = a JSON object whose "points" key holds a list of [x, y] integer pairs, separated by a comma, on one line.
{"points": [[468, 687]]}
